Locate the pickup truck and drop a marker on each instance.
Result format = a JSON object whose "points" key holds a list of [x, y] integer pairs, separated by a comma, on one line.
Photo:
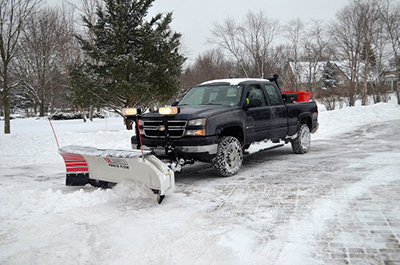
{"points": [[216, 122]]}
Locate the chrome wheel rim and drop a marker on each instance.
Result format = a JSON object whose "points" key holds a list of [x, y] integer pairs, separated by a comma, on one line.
{"points": [[305, 138], [231, 157]]}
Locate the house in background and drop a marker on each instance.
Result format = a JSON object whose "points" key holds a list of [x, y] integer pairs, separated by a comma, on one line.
{"points": [[389, 80], [314, 76], [303, 76], [321, 76]]}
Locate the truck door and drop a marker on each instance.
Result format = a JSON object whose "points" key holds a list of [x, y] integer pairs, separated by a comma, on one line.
{"points": [[278, 112], [258, 120]]}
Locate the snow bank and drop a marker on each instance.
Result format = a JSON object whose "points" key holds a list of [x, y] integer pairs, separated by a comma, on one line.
{"points": [[17, 203], [31, 141], [346, 120], [333, 123]]}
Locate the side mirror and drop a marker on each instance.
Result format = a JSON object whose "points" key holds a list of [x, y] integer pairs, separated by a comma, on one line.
{"points": [[254, 102], [175, 103]]}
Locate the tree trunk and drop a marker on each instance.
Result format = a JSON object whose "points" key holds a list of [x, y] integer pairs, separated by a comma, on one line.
{"points": [[52, 99], [128, 124], [352, 93], [91, 112], [35, 107], [398, 89], [364, 92], [6, 102], [83, 113], [398, 80], [42, 103], [6, 106]]}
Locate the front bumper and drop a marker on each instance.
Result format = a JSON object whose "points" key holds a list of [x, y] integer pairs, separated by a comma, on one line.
{"points": [[189, 148]]}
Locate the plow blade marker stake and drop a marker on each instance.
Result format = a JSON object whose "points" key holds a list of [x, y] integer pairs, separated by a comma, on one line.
{"points": [[119, 165]]}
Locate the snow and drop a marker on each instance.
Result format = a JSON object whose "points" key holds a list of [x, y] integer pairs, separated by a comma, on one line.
{"points": [[234, 81], [87, 150], [272, 212], [344, 119]]}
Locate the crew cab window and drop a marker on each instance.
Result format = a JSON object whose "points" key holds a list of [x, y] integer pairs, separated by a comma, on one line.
{"points": [[256, 92], [275, 98], [213, 95]]}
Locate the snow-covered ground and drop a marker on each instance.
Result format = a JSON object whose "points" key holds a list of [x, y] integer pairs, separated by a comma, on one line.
{"points": [[280, 209]]}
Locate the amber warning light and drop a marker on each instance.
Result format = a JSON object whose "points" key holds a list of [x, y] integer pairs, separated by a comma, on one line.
{"points": [[130, 112]]}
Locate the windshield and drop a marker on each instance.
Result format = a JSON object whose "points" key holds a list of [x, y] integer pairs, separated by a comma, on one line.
{"points": [[213, 95]]}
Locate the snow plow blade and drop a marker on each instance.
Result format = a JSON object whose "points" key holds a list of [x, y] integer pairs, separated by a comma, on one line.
{"points": [[86, 164]]}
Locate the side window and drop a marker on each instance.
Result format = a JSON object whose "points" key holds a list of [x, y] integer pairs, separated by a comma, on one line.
{"points": [[274, 97], [256, 92]]}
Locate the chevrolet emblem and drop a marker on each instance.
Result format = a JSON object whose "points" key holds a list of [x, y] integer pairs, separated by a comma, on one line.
{"points": [[161, 128]]}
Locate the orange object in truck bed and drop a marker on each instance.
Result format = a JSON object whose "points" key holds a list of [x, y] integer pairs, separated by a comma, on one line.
{"points": [[301, 96]]}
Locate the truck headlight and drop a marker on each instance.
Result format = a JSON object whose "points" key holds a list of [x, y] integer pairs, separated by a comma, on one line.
{"points": [[195, 132], [197, 122]]}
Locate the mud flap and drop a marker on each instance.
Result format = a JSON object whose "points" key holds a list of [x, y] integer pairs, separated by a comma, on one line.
{"points": [[86, 163]]}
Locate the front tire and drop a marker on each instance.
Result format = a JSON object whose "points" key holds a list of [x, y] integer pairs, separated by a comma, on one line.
{"points": [[229, 156], [301, 144]]}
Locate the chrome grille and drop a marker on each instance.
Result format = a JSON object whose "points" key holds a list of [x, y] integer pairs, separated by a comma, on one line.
{"points": [[156, 129]]}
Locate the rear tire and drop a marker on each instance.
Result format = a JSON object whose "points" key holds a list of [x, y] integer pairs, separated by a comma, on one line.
{"points": [[229, 156], [301, 144]]}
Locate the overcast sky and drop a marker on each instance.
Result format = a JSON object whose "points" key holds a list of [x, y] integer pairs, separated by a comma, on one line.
{"points": [[195, 18]]}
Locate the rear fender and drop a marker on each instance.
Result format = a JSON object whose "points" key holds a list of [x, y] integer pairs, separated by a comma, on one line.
{"points": [[306, 119]]}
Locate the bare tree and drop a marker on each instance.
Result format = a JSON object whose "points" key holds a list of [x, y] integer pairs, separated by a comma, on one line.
{"points": [[359, 38], [225, 36], [389, 11], [308, 52], [294, 32], [316, 54], [249, 42], [87, 10], [46, 49], [379, 55], [347, 36], [256, 35], [209, 65], [13, 15], [69, 50], [40, 50], [368, 22]]}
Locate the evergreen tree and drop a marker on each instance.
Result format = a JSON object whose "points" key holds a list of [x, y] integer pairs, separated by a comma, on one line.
{"points": [[82, 85], [132, 61], [329, 76]]}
